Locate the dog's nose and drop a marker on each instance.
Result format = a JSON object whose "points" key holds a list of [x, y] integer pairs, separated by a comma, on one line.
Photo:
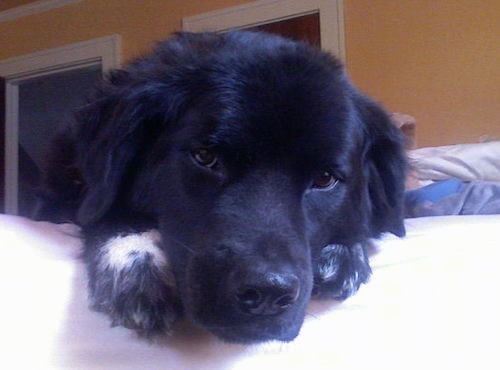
{"points": [[270, 295]]}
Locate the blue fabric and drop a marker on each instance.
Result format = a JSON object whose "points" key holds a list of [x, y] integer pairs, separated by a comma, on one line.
{"points": [[433, 192], [454, 197]]}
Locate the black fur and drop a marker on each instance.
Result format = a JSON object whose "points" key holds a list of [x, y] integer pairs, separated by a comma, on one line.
{"points": [[249, 235]]}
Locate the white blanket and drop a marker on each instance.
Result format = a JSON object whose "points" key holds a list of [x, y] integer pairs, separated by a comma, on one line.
{"points": [[433, 302]]}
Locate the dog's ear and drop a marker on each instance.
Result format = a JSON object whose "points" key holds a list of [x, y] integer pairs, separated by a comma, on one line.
{"points": [[384, 168], [112, 127]]}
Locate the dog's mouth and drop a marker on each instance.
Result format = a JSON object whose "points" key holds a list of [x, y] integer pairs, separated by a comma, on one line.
{"points": [[231, 325]]}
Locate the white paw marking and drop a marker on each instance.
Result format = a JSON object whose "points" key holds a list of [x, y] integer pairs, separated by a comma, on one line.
{"points": [[329, 265], [140, 317], [351, 284], [120, 252]]}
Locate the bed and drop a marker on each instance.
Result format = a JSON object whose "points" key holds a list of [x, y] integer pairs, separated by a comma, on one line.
{"points": [[433, 302]]}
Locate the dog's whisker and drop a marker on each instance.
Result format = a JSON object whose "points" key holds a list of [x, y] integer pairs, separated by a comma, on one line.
{"points": [[216, 327], [311, 315], [178, 242]]}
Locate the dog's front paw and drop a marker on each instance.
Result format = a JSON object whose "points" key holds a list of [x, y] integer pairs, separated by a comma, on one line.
{"points": [[340, 271], [132, 283]]}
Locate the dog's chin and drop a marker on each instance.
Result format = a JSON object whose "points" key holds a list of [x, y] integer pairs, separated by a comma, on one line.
{"points": [[253, 333], [249, 330]]}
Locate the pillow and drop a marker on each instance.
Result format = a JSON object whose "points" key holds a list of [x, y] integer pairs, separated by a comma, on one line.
{"points": [[467, 162]]}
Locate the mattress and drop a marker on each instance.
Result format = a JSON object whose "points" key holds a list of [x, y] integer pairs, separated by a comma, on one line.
{"points": [[433, 302]]}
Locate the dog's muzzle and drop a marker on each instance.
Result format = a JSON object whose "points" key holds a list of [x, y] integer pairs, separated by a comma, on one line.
{"points": [[247, 301]]}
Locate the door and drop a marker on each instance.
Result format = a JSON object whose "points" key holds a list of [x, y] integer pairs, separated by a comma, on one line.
{"points": [[301, 28], [320, 22], [45, 104], [40, 91]]}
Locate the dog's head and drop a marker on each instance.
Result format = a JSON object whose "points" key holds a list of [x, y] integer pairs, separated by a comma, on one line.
{"points": [[253, 152]]}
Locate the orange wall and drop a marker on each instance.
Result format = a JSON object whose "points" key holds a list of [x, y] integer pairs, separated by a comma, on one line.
{"points": [[438, 60], [140, 23]]}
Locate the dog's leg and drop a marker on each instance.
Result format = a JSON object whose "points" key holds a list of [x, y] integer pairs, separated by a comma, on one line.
{"points": [[130, 279], [340, 270]]}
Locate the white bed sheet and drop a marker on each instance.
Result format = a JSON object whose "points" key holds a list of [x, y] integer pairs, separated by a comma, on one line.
{"points": [[433, 302]]}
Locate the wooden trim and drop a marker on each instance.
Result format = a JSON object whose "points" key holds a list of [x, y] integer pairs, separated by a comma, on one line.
{"points": [[11, 147], [105, 49], [2, 143], [264, 11], [34, 8]]}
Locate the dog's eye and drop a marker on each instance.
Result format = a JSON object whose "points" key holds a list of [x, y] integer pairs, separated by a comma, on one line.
{"points": [[324, 181], [205, 157]]}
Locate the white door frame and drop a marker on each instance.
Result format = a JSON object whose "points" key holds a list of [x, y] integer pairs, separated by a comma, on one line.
{"points": [[105, 51], [331, 19]]}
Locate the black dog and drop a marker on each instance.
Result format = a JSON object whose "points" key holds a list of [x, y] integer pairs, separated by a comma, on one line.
{"points": [[227, 178]]}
